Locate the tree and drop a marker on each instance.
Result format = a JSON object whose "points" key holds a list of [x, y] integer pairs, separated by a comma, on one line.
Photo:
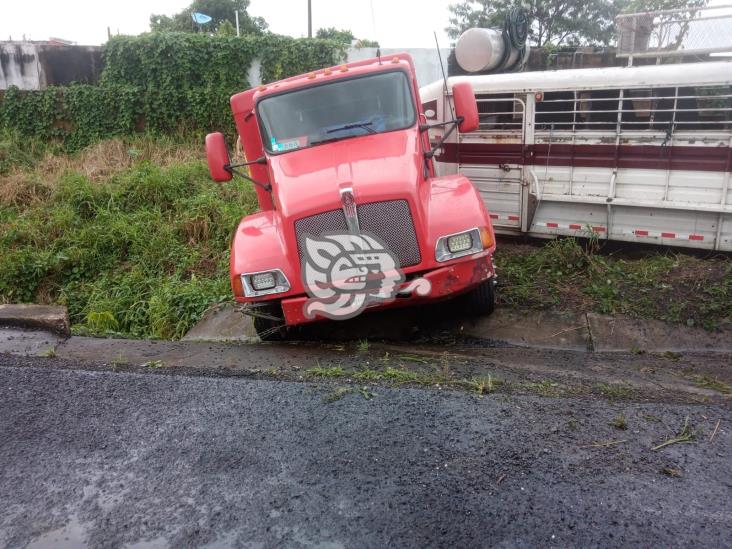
{"points": [[552, 22], [557, 22], [219, 11], [345, 37], [226, 29]]}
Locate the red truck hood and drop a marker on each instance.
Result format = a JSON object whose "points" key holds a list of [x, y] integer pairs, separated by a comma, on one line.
{"points": [[377, 167]]}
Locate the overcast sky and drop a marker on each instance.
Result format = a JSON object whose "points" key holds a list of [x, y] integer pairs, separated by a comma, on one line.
{"points": [[395, 23]]}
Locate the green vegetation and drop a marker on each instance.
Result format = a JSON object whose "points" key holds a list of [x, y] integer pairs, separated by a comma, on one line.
{"points": [[685, 436], [131, 235], [564, 275], [620, 422], [712, 383], [545, 388], [338, 394], [484, 385], [615, 391], [221, 13], [161, 83]]}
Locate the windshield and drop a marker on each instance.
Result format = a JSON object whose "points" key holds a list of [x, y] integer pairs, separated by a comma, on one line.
{"points": [[344, 108]]}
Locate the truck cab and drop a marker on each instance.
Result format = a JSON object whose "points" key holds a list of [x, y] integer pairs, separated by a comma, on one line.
{"points": [[343, 170]]}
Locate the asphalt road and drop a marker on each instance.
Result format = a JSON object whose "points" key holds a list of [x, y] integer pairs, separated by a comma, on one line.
{"points": [[108, 459]]}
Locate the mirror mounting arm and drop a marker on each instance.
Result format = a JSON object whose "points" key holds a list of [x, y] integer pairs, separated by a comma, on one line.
{"points": [[261, 160], [455, 123], [425, 127]]}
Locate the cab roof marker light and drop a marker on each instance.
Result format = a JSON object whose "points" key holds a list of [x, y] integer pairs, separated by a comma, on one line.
{"points": [[327, 72], [395, 59], [311, 75], [344, 68]]}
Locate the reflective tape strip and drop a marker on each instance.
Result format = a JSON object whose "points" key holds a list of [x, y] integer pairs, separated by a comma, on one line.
{"points": [[664, 234], [570, 226], [505, 217], [635, 232]]}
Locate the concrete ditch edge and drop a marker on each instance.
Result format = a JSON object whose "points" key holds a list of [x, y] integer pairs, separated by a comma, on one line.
{"points": [[50, 318]]}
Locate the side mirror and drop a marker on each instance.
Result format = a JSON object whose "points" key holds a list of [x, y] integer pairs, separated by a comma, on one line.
{"points": [[217, 154], [465, 106]]}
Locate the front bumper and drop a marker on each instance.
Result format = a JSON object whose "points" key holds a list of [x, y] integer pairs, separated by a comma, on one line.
{"points": [[448, 281]]}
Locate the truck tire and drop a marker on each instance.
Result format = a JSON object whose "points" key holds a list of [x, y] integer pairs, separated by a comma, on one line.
{"points": [[267, 328], [481, 300]]}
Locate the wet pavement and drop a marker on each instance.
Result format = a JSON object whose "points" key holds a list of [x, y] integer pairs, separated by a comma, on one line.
{"points": [[173, 457]]}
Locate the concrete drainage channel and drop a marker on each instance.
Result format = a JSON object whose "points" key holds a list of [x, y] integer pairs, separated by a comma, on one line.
{"points": [[532, 329]]}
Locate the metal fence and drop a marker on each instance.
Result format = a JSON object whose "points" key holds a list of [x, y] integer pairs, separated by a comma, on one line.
{"points": [[667, 33]]}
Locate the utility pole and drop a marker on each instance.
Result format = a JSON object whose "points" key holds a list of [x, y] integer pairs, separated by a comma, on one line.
{"points": [[236, 14], [310, 19]]}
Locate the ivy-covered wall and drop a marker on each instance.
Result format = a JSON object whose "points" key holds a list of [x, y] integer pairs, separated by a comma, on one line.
{"points": [[161, 83]]}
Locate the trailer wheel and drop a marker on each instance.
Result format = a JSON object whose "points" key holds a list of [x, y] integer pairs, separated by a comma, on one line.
{"points": [[481, 301], [269, 322]]}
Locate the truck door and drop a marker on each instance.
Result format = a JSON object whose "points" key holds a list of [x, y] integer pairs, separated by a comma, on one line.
{"points": [[493, 158]]}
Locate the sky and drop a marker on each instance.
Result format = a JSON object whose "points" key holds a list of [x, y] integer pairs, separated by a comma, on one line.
{"points": [[395, 23]]}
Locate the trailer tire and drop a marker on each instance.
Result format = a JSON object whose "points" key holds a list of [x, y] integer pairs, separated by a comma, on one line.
{"points": [[267, 328], [481, 300]]}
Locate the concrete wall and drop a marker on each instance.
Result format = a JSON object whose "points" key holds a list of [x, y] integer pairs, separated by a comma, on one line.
{"points": [[19, 66], [34, 66]]}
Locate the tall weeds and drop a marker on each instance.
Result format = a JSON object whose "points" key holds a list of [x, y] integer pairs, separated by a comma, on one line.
{"points": [[131, 247]]}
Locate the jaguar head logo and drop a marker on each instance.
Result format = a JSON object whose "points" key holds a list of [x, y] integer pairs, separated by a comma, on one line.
{"points": [[345, 273]]}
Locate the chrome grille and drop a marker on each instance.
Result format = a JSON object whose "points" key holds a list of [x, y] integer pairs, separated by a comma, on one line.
{"points": [[391, 221]]}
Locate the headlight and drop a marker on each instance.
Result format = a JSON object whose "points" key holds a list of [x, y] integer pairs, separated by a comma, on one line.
{"points": [[459, 243], [456, 245], [264, 283]]}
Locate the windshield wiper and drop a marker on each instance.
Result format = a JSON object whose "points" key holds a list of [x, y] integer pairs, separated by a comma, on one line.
{"points": [[364, 125]]}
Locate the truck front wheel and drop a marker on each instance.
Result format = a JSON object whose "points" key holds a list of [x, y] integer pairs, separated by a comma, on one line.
{"points": [[481, 300], [269, 322]]}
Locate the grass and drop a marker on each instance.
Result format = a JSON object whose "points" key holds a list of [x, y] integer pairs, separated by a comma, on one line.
{"points": [[620, 422], [132, 236], [685, 436], [337, 394], [615, 391], [712, 383], [567, 275], [483, 386], [545, 388]]}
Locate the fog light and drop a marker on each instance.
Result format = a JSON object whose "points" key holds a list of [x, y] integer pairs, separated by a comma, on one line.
{"points": [[459, 243], [263, 281]]}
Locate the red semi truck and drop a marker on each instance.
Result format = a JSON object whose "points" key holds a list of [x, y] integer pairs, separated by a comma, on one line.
{"points": [[352, 216]]}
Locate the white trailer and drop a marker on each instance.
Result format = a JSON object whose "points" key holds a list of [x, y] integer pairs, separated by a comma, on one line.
{"points": [[640, 154]]}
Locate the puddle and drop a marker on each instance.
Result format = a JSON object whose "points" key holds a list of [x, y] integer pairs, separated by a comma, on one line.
{"points": [[70, 536]]}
